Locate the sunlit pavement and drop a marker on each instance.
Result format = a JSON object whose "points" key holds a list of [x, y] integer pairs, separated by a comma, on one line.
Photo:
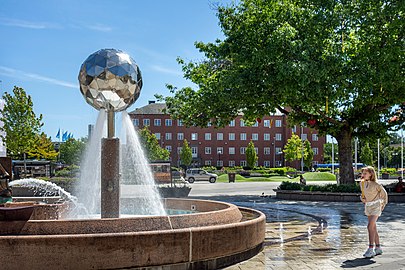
{"points": [[339, 245]]}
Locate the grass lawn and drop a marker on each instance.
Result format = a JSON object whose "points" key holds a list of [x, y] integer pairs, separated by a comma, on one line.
{"points": [[309, 176]]}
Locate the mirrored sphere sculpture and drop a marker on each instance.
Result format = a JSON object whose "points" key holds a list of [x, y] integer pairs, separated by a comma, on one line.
{"points": [[110, 79]]}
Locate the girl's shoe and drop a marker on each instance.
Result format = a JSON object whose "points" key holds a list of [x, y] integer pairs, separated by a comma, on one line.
{"points": [[369, 253], [378, 251]]}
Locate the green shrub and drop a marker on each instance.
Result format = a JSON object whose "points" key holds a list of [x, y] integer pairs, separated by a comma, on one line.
{"points": [[285, 185], [324, 169], [343, 188], [391, 171], [70, 171]]}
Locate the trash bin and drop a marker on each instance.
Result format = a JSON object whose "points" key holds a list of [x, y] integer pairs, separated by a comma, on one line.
{"points": [[231, 177]]}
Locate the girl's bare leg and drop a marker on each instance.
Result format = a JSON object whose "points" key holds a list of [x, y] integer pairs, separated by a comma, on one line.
{"points": [[373, 236]]}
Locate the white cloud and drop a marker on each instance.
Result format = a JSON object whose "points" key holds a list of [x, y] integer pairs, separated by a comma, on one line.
{"points": [[14, 73], [99, 27], [166, 70], [26, 24]]}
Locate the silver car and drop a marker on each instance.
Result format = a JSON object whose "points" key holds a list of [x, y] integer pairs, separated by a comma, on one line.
{"points": [[200, 175]]}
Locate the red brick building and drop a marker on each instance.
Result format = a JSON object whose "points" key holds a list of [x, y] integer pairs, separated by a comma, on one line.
{"points": [[226, 146]]}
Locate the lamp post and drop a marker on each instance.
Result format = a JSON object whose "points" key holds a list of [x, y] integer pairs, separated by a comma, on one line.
{"points": [[274, 151], [302, 149], [219, 157]]}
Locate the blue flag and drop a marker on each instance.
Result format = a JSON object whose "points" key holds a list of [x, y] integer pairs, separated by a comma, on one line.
{"points": [[64, 136], [58, 134]]}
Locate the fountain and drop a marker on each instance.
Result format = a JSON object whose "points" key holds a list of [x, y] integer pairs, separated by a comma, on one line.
{"points": [[201, 235]]}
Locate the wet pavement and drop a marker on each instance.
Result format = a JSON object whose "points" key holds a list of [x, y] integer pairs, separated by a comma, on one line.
{"points": [[322, 235]]}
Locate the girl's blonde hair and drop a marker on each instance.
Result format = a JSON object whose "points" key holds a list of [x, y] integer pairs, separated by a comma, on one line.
{"points": [[370, 170]]}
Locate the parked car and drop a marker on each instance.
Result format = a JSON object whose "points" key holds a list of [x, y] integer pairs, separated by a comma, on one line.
{"points": [[200, 175]]}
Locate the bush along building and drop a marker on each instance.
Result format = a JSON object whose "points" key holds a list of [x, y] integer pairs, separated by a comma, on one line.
{"points": [[226, 147]]}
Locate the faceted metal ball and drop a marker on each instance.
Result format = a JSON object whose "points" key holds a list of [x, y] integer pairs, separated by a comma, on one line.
{"points": [[110, 79]]}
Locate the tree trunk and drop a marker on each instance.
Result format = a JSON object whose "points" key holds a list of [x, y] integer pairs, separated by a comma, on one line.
{"points": [[346, 173]]}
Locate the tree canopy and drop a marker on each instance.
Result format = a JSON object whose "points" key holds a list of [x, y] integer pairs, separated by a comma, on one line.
{"points": [[251, 155], [43, 148], [151, 145], [186, 154], [72, 151], [21, 125], [335, 66]]}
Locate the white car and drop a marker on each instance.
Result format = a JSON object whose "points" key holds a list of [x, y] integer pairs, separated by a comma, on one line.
{"points": [[200, 175]]}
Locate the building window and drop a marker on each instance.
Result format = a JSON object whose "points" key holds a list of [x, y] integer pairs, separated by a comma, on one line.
{"points": [[231, 150], [243, 150], [266, 136], [257, 150], [194, 136], [136, 122], [255, 136], [267, 163], [168, 122], [169, 148], [278, 136], [232, 123], [266, 123], [278, 150], [207, 163], [266, 150], [194, 151], [157, 136], [146, 122], [220, 136], [278, 123], [208, 136], [243, 163], [157, 122], [242, 123], [315, 151], [278, 163], [314, 137], [231, 136], [294, 129], [220, 163], [231, 163], [180, 136], [168, 136], [256, 124], [208, 150], [304, 136], [179, 123], [243, 136]]}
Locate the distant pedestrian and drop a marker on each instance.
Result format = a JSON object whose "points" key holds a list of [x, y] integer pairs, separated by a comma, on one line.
{"points": [[375, 198], [302, 180], [400, 186]]}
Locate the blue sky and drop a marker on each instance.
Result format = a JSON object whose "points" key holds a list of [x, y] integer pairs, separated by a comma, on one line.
{"points": [[44, 42]]}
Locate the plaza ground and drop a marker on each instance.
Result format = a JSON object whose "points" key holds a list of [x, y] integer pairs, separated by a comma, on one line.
{"points": [[340, 245]]}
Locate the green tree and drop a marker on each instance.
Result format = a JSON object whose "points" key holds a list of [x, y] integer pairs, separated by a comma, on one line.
{"points": [[327, 153], [293, 148], [251, 155], [336, 65], [72, 151], [308, 154], [21, 125], [366, 154], [151, 145], [186, 154], [43, 148]]}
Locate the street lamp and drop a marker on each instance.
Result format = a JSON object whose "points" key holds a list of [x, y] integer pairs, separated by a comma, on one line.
{"points": [[219, 157]]}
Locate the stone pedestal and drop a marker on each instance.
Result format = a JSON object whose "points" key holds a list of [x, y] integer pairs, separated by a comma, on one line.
{"points": [[110, 184]]}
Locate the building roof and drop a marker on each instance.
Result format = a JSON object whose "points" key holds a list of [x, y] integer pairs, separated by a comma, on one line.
{"points": [[157, 108], [152, 108]]}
